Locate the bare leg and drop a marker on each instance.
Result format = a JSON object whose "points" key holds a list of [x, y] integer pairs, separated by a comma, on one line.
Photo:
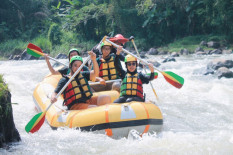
{"points": [[91, 106], [103, 99]]}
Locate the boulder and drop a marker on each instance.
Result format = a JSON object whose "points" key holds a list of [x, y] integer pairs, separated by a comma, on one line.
{"points": [[8, 132], [184, 51], [143, 54], [199, 49], [153, 51], [224, 72], [215, 51], [61, 56], [16, 57], [26, 56], [162, 52], [226, 51], [203, 43], [175, 54], [213, 44], [155, 63], [218, 63], [168, 59]]}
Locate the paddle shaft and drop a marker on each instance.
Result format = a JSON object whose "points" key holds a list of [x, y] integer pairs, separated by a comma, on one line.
{"points": [[67, 83], [109, 81], [57, 61], [140, 59], [144, 68]]}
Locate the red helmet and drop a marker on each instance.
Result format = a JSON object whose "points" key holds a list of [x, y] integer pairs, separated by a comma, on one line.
{"points": [[119, 38]]}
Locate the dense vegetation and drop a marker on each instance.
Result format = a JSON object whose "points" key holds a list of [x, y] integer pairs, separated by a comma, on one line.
{"points": [[55, 25]]}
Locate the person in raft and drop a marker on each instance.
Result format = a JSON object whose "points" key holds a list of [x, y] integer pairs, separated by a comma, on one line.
{"points": [[107, 65], [65, 70], [118, 39], [78, 94], [131, 85]]}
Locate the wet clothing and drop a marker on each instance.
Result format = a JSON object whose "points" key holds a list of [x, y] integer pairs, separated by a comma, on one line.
{"points": [[65, 70], [131, 86], [108, 69], [78, 91]]}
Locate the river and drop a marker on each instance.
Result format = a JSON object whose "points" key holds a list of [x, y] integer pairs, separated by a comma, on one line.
{"points": [[198, 118]]}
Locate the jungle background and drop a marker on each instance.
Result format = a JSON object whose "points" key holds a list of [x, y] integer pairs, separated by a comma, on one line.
{"points": [[57, 25]]}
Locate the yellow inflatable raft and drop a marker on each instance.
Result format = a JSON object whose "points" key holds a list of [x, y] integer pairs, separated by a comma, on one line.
{"points": [[115, 120]]}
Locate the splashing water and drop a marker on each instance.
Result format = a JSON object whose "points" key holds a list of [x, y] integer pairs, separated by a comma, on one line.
{"points": [[197, 117]]}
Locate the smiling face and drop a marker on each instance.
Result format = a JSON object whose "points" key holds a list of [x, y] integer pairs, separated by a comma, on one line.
{"points": [[106, 51], [131, 66], [76, 64]]}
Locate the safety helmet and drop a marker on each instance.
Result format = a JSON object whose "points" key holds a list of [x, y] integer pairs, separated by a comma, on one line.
{"points": [[105, 43], [74, 49], [129, 58], [76, 57]]}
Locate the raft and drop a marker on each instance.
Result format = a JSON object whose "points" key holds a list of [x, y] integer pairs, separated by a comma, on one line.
{"points": [[114, 120]]}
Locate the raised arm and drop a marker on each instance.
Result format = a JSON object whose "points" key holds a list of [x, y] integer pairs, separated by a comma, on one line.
{"points": [[95, 71], [51, 69]]}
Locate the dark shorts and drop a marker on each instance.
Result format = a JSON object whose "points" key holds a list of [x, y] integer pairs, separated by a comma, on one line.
{"points": [[124, 99]]}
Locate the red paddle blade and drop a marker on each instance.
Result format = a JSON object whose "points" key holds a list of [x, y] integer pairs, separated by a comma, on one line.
{"points": [[174, 79], [119, 40], [34, 50], [35, 123]]}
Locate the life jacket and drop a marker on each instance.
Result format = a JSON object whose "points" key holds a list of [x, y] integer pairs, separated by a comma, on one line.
{"points": [[108, 70], [132, 86], [77, 88]]}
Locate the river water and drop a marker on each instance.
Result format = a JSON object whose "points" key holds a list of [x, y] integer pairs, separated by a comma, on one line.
{"points": [[198, 118]]}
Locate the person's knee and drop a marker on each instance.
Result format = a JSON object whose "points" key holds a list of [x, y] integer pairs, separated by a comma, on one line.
{"points": [[129, 99], [116, 86], [103, 99], [120, 100]]}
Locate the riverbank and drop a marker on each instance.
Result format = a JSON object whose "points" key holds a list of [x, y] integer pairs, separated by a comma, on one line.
{"points": [[191, 43]]}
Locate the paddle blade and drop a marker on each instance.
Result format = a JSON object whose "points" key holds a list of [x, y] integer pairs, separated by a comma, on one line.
{"points": [[174, 79], [34, 50], [155, 75], [35, 123]]}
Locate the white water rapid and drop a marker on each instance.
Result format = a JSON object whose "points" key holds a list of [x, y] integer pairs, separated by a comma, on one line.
{"points": [[198, 118]]}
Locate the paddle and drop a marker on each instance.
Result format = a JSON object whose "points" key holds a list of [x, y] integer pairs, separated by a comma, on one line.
{"points": [[37, 121], [172, 78], [132, 40], [37, 52], [109, 81]]}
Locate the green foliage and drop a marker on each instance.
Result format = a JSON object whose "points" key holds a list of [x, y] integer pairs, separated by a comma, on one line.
{"points": [[43, 43], [3, 88], [152, 22], [15, 46], [54, 34], [190, 42]]}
